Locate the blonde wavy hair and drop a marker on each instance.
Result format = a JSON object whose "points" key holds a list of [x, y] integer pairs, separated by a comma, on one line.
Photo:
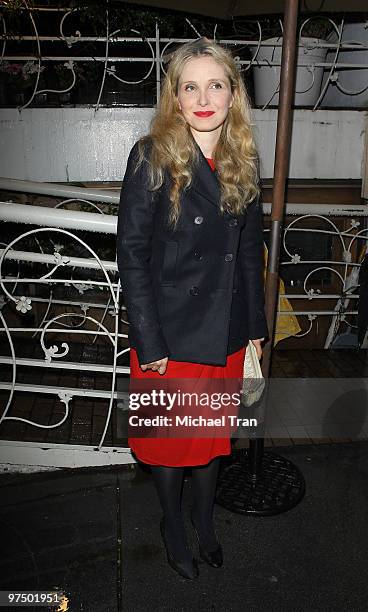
{"points": [[173, 147]]}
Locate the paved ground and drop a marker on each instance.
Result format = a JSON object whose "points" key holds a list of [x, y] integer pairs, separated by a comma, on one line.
{"points": [[95, 535]]}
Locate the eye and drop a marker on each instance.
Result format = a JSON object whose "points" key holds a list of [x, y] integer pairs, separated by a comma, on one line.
{"points": [[189, 87], [216, 85]]}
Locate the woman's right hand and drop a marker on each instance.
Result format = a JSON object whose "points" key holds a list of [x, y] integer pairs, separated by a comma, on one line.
{"points": [[156, 366]]}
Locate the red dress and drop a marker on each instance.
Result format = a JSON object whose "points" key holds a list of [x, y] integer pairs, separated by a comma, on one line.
{"points": [[179, 452]]}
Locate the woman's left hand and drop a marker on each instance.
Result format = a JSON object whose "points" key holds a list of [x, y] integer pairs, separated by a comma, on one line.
{"points": [[257, 344]]}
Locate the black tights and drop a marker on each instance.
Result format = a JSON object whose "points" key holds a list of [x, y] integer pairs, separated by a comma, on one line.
{"points": [[204, 480], [169, 484]]}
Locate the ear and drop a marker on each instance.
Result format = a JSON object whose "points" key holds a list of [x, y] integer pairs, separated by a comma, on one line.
{"points": [[231, 103]]}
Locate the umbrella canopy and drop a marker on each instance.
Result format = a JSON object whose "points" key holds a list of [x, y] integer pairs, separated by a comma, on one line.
{"points": [[225, 9]]}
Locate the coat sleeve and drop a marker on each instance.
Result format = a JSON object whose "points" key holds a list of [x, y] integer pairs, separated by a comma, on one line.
{"points": [[252, 265], [134, 240]]}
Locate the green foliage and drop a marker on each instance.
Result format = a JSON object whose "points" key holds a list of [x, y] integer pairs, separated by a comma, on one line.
{"points": [[22, 76], [319, 27], [315, 27], [126, 17]]}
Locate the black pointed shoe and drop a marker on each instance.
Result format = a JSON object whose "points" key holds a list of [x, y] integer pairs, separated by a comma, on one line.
{"points": [[214, 557], [185, 569]]}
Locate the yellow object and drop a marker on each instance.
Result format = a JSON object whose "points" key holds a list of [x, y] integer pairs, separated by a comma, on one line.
{"points": [[64, 604], [286, 325]]}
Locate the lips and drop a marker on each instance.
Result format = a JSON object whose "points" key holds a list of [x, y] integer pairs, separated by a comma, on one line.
{"points": [[204, 113]]}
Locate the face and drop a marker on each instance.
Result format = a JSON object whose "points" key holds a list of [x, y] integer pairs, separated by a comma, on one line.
{"points": [[204, 94]]}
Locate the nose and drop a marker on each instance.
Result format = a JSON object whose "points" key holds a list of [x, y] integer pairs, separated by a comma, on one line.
{"points": [[203, 97]]}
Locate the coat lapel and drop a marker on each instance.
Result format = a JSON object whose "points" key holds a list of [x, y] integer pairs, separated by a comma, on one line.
{"points": [[205, 180]]}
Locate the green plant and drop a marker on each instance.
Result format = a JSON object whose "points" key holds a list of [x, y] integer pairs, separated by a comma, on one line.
{"points": [[21, 75], [313, 27], [84, 72], [319, 27], [133, 20]]}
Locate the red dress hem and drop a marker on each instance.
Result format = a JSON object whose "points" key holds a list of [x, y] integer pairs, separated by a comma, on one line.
{"points": [[182, 452]]}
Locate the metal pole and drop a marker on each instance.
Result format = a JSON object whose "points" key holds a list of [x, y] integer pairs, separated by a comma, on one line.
{"points": [[281, 165], [251, 484], [158, 66]]}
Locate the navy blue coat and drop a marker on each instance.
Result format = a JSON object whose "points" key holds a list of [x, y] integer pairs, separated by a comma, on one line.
{"points": [[195, 293]]}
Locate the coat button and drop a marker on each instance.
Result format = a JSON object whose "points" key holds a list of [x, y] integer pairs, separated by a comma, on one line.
{"points": [[198, 220], [197, 255], [233, 222], [194, 290], [228, 257]]}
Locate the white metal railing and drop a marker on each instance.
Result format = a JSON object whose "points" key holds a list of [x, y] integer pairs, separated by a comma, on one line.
{"points": [[20, 294], [67, 315], [59, 217], [158, 51], [69, 192]]}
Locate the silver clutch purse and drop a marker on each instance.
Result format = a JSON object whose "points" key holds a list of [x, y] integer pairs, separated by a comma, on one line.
{"points": [[253, 379]]}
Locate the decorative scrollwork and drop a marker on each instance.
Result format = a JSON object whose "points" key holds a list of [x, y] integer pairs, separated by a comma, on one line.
{"points": [[53, 351], [158, 46]]}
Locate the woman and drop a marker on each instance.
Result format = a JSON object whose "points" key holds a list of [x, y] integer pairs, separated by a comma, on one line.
{"points": [[190, 259]]}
